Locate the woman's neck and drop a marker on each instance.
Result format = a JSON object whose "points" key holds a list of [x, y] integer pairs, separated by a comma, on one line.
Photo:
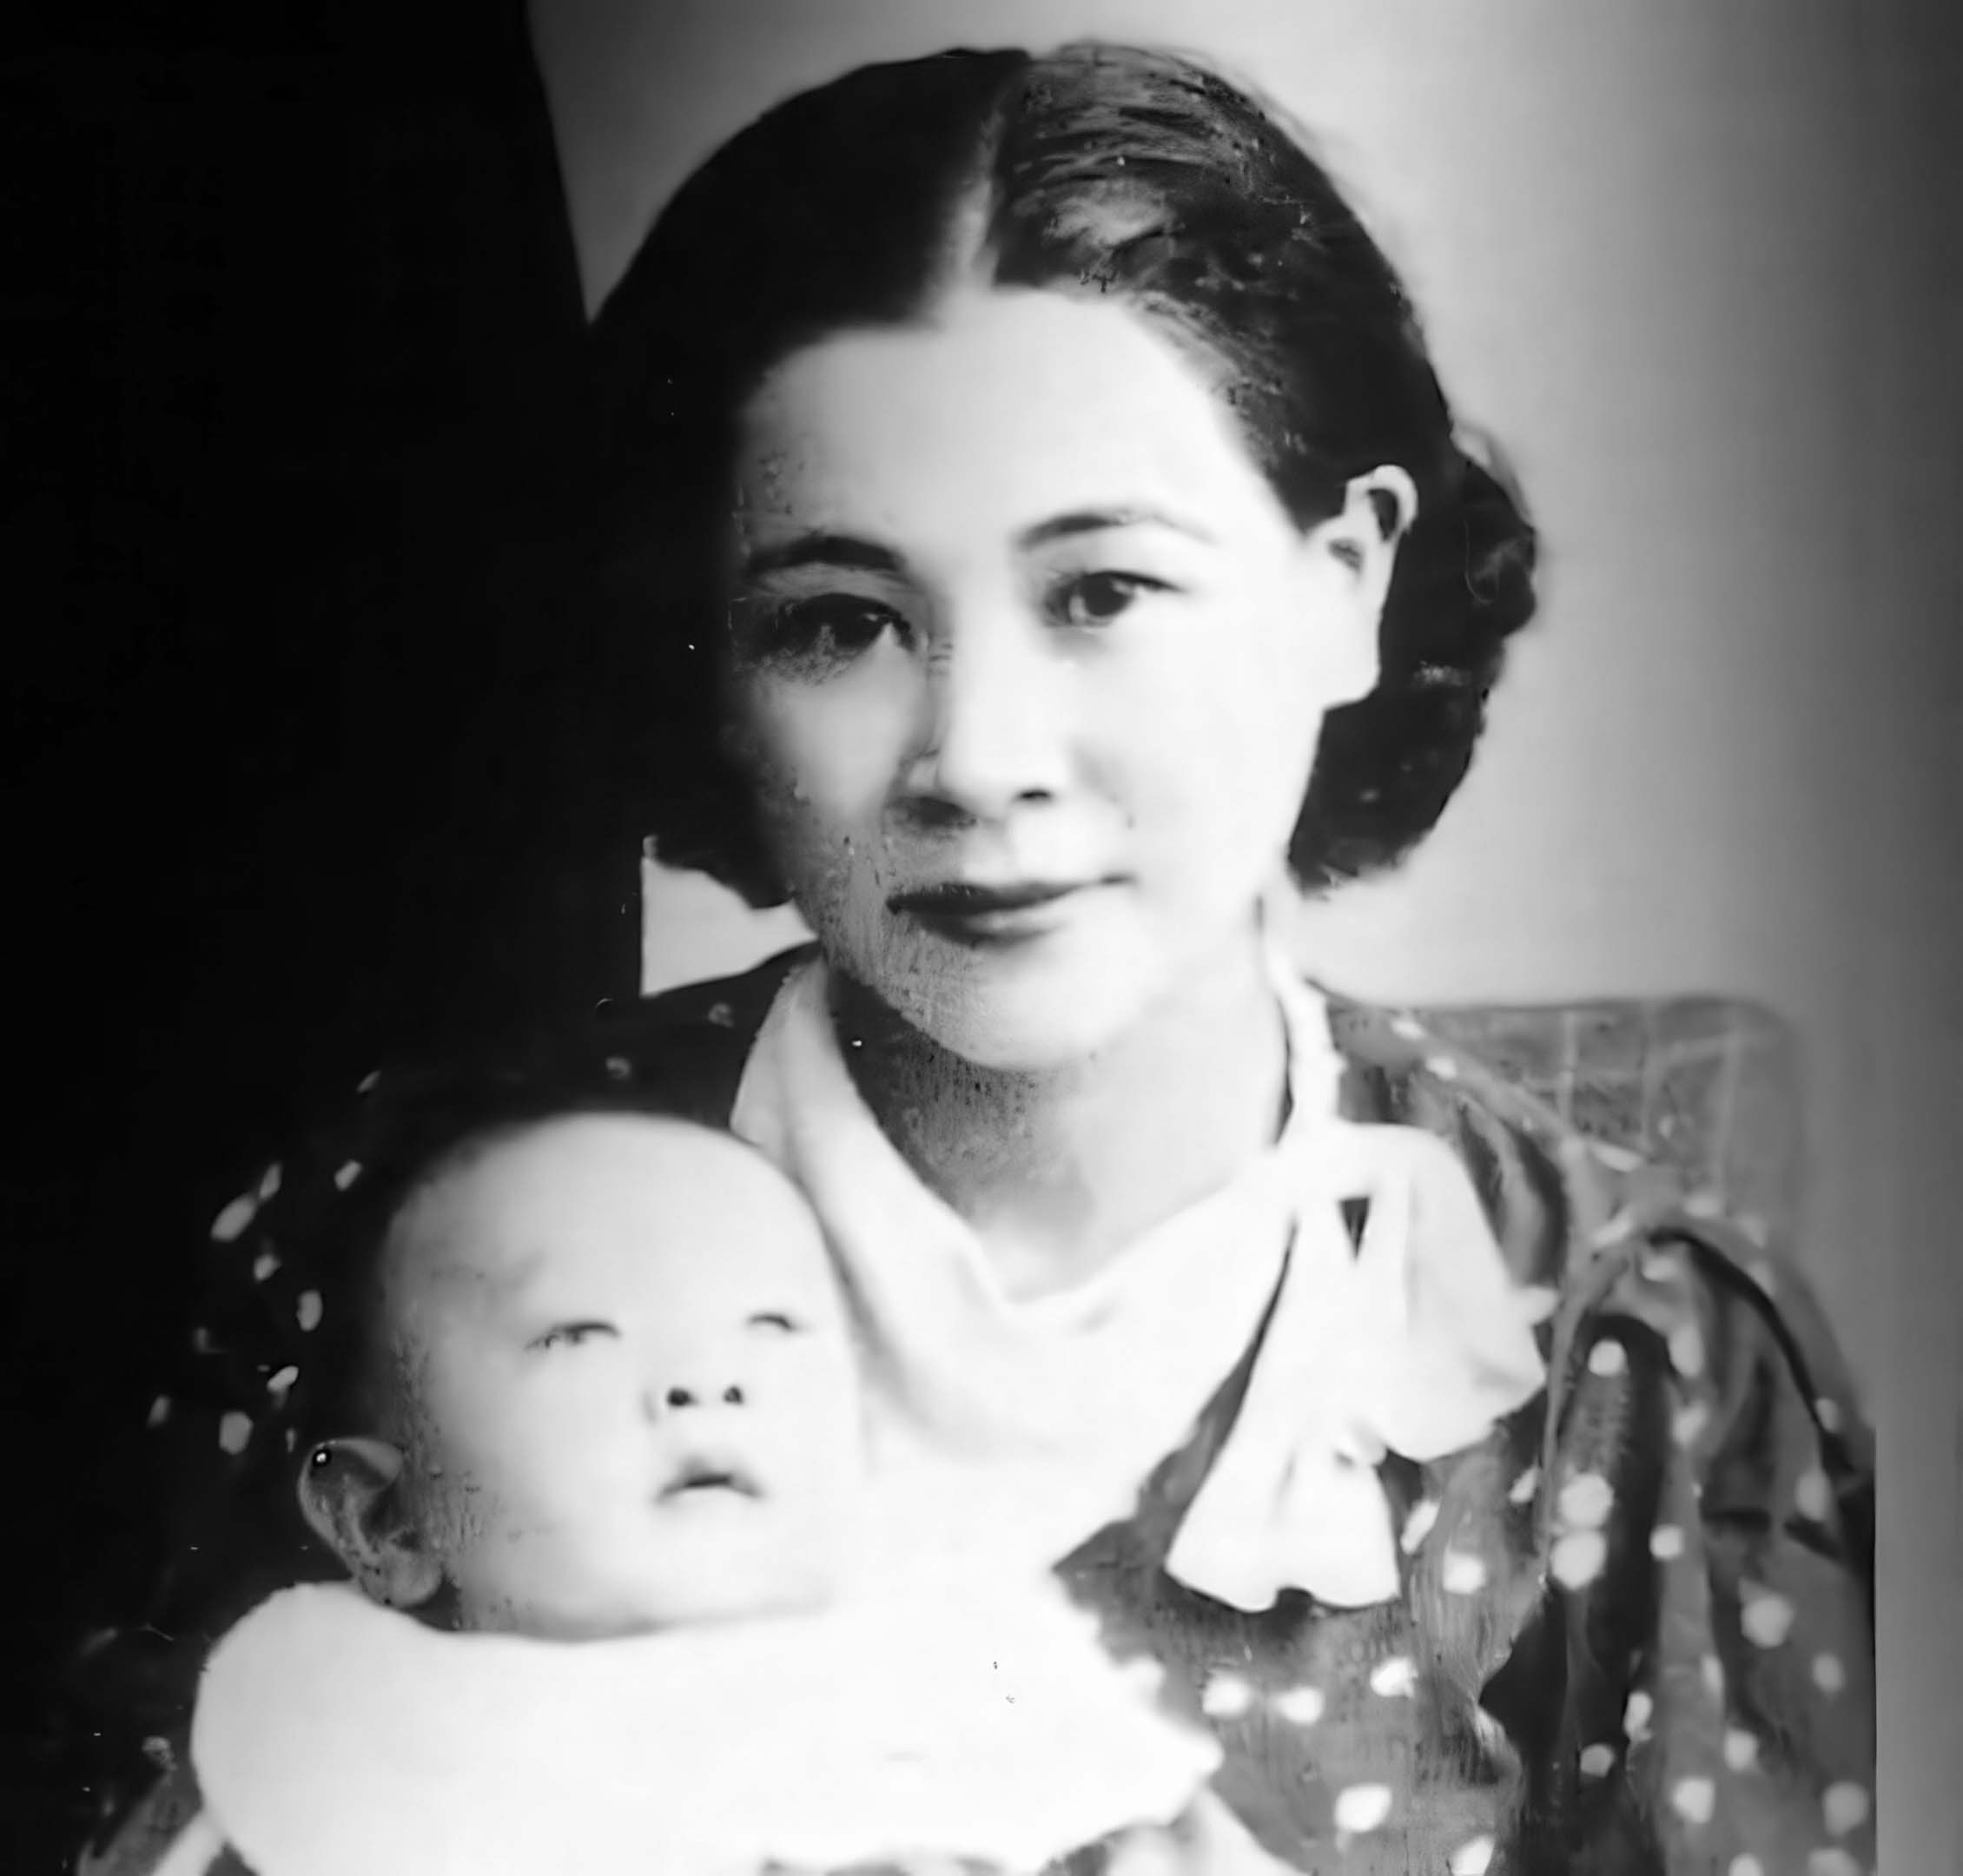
{"points": [[1059, 1170]]}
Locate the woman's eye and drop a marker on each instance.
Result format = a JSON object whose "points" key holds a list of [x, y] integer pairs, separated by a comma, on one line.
{"points": [[829, 629], [572, 1334], [775, 1320], [1097, 599]]}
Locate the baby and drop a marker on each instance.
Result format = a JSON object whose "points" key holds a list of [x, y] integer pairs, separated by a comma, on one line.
{"points": [[612, 1389], [596, 1385]]}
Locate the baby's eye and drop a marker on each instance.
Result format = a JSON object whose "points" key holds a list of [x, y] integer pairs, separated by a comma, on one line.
{"points": [[777, 1321], [1097, 599], [572, 1334]]}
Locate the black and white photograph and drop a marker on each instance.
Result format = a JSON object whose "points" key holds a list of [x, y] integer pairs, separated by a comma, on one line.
{"points": [[1004, 939]]}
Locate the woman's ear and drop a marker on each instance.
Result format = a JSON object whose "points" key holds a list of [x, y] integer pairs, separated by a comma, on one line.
{"points": [[1351, 556], [350, 1495]]}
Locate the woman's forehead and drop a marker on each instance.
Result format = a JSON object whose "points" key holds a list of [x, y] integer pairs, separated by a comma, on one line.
{"points": [[1001, 411]]}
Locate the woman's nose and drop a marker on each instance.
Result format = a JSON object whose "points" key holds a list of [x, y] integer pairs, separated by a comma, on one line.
{"points": [[997, 721]]}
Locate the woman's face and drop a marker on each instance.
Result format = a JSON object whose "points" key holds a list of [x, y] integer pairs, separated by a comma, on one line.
{"points": [[1030, 666]]}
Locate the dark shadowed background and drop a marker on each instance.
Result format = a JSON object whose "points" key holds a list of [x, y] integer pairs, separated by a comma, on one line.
{"points": [[285, 405]]}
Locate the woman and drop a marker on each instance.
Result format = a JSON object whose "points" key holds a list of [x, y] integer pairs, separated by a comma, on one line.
{"points": [[1046, 535]]}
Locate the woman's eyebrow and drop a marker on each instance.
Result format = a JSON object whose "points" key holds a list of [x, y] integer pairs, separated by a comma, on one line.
{"points": [[1099, 520], [821, 549]]}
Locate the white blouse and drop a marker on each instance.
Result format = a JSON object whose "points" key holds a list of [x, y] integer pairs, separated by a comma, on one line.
{"points": [[1024, 1426]]}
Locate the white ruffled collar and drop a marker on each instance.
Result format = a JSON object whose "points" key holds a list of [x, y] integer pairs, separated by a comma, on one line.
{"points": [[985, 1725], [1035, 1424]]}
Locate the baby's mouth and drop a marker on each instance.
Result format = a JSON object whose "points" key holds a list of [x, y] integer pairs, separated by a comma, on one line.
{"points": [[704, 1480]]}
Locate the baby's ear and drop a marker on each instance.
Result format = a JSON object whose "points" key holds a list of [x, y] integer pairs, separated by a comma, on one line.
{"points": [[350, 1495]]}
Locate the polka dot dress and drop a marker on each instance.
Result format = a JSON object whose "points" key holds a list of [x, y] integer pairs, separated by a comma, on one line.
{"points": [[1633, 1626], [1634, 1630]]}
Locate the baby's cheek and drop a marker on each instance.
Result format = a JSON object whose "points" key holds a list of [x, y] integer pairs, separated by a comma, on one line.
{"points": [[830, 1427], [460, 1512], [460, 1494]]}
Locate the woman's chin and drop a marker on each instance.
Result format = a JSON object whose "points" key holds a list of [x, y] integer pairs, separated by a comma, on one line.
{"points": [[1029, 1009]]}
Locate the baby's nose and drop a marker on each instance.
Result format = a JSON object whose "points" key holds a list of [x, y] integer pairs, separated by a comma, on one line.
{"points": [[678, 1395]]}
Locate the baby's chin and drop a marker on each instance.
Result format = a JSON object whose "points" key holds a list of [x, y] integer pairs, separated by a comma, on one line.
{"points": [[686, 1603], [710, 1603]]}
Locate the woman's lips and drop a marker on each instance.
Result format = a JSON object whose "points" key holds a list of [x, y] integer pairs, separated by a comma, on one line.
{"points": [[976, 914]]}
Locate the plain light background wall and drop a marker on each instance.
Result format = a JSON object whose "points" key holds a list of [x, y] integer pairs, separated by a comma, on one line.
{"points": [[1686, 262]]}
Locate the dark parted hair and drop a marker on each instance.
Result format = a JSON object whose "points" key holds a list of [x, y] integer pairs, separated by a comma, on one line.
{"points": [[1100, 170]]}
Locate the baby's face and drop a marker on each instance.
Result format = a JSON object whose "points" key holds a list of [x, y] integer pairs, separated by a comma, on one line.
{"points": [[627, 1390]]}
